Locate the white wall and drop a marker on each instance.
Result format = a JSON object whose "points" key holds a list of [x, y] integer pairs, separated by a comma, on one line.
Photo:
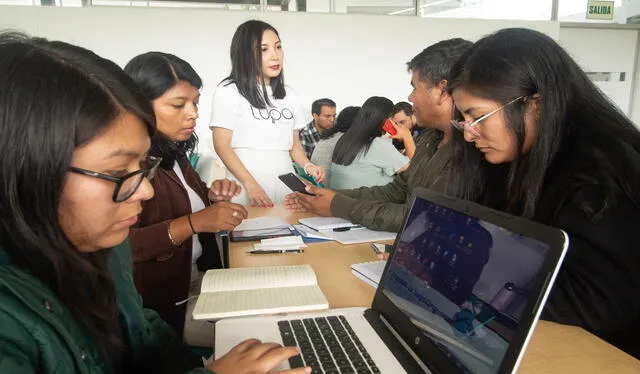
{"points": [[585, 46], [345, 57]]}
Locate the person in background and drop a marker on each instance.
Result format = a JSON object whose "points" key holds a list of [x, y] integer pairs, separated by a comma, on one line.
{"points": [[323, 112], [362, 156], [256, 118], [75, 133], [384, 207], [539, 140], [174, 240], [324, 149], [402, 115]]}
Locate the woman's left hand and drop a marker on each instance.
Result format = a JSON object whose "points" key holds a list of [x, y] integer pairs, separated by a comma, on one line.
{"points": [[316, 172], [223, 190]]}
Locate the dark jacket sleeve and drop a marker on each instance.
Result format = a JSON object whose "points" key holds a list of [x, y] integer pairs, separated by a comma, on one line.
{"points": [[597, 286], [375, 215], [152, 241]]}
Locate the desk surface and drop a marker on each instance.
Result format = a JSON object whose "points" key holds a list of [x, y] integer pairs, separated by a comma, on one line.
{"points": [[554, 348]]}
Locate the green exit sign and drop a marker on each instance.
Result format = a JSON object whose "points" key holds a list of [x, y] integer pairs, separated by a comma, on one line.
{"points": [[600, 9]]}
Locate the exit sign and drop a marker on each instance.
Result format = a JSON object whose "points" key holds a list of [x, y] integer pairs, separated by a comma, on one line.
{"points": [[600, 9]]}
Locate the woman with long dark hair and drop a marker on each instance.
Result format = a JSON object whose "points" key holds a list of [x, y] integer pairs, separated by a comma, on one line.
{"points": [[362, 157], [539, 140], [174, 241], [323, 151], [75, 168], [256, 117]]}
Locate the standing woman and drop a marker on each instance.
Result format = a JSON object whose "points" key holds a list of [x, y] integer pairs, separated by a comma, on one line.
{"points": [[256, 117], [75, 169], [174, 241], [538, 139]]}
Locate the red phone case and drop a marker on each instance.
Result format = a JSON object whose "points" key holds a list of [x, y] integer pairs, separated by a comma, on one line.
{"points": [[388, 127]]}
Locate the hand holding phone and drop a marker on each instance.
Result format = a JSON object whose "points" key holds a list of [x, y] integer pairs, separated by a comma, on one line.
{"points": [[388, 127], [294, 183]]}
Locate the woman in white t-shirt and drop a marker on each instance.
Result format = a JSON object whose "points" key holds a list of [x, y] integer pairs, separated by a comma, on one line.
{"points": [[255, 118]]}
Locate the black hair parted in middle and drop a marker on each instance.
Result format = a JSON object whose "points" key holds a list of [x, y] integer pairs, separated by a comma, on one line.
{"points": [[155, 73], [246, 65]]}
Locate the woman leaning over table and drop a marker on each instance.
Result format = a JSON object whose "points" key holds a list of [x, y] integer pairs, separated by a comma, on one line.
{"points": [[75, 135], [174, 241], [538, 139], [256, 117]]}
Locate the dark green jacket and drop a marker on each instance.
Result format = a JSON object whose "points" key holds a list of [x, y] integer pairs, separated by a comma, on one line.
{"points": [[39, 335], [384, 207]]}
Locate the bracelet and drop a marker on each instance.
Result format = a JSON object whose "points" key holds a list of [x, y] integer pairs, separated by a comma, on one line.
{"points": [[171, 237], [191, 224], [307, 165]]}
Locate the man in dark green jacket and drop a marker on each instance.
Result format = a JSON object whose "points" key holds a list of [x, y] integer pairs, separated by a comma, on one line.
{"points": [[383, 207]]}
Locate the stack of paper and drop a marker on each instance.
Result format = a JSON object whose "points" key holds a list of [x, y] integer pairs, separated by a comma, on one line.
{"points": [[261, 223], [286, 242], [370, 272], [311, 235]]}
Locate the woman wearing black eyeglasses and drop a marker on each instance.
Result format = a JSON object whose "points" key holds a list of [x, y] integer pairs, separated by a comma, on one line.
{"points": [[539, 140], [75, 135], [174, 240]]}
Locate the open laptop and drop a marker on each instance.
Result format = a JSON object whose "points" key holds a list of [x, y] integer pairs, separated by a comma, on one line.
{"points": [[461, 292]]}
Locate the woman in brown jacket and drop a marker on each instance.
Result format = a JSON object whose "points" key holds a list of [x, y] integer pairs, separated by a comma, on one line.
{"points": [[175, 240]]}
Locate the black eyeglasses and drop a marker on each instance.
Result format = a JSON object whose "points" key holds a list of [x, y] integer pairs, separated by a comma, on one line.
{"points": [[128, 184]]}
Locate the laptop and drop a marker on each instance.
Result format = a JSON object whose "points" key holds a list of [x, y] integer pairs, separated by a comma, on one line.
{"points": [[461, 292]]}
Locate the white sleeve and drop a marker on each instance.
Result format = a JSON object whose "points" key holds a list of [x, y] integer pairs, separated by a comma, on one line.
{"points": [[225, 106], [301, 117]]}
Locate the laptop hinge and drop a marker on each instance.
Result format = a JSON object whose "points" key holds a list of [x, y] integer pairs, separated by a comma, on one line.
{"points": [[400, 350]]}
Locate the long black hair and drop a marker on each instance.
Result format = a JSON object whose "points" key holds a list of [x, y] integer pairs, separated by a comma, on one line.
{"points": [[343, 122], [54, 98], [246, 65], [155, 73], [576, 125], [367, 125]]}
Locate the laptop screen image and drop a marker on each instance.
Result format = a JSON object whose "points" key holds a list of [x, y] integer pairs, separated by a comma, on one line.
{"points": [[464, 283]]}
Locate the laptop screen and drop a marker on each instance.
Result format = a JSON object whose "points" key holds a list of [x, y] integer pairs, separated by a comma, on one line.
{"points": [[462, 282]]}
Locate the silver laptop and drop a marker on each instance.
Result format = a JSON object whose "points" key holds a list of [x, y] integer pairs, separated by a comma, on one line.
{"points": [[461, 292]]}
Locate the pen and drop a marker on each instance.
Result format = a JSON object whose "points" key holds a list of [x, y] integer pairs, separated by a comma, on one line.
{"points": [[273, 251], [348, 228]]}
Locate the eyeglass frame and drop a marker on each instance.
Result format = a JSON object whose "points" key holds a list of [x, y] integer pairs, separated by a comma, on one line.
{"points": [[463, 125], [148, 173]]}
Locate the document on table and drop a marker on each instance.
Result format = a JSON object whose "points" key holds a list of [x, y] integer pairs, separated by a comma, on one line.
{"points": [[360, 235], [261, 223]]}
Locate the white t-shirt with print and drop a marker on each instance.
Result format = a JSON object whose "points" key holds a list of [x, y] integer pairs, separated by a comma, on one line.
{"points": [[253, 128]]}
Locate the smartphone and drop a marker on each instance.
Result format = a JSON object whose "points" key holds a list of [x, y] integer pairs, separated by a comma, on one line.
{"points": [[294, 183], [380, 248], [388, 127]]}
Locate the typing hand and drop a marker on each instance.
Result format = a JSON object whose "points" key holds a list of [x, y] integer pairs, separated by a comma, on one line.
{"points": [[319, 204], [254, 357], [223, 190], [382, 256]]}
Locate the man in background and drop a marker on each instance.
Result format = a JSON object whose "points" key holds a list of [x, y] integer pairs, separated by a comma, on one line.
{"points": [[324, 116], [402, 115], [384, 207]]}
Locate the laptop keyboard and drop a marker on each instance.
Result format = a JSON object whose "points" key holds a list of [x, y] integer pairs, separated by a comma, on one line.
{"points": [[328, 345]]}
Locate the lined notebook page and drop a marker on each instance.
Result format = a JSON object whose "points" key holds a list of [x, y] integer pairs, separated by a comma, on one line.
{"points": [[250, 302], [257, 278]]}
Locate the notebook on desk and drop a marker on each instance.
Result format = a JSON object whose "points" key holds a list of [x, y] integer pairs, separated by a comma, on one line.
{"points": [[461, 292]]}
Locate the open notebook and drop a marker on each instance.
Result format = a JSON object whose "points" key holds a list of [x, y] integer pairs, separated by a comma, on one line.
{"points": [[259, 290]]}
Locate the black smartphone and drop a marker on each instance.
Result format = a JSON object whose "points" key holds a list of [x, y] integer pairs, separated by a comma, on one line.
{"points": [[294, 183]]}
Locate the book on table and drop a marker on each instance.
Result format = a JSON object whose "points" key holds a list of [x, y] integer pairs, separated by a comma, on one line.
{"points": [[370, 272], [258, 290]]}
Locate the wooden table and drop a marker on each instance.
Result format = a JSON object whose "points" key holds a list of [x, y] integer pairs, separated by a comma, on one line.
{"points": [[554, 348]]}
